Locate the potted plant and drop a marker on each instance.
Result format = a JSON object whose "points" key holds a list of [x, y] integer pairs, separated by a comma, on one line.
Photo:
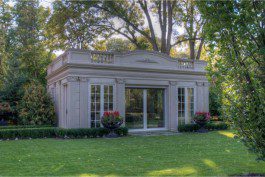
{"points": [[201, 118], [111, 120]]}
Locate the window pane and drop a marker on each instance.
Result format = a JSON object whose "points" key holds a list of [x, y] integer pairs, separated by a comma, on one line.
{"points": [[95, 104], [134, 108], [190, 104], [181, 106], [110, 106], [155, 108]]}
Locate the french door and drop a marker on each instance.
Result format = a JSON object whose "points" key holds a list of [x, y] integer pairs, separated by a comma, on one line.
{"points": [[144, 108], [186, 100], [101, 101]]}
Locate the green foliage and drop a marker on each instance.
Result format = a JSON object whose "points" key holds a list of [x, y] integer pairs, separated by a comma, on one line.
{"points": [[12, 89], [208, 126], [34, 57], [235, 33], [24, 50], [53, 132], [71, 31], [215, 101], [36, 106]]}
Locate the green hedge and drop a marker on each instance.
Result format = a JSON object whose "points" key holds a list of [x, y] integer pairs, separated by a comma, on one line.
{"points": [[208, 126], [23, 126], [53, 132]]}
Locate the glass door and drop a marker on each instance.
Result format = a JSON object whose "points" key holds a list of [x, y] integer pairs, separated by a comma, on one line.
{"points": [[144, 108], [134, 108], [155, 108]]}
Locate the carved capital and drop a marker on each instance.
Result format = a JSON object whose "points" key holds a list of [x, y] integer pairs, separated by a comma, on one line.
{"points": [[199, 83], [174, 83], [120, 81], [83, 79], [72, 78], [206, 84]]}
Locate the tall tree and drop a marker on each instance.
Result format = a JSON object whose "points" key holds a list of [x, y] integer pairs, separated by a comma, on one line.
{"points": [[76, 24], [30, 18], [193, 24], [5, 24], [235, 32], [131, 19]]}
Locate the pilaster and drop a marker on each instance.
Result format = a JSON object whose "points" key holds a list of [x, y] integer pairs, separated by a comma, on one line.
{"points": [[173, 118], [120, 96]]}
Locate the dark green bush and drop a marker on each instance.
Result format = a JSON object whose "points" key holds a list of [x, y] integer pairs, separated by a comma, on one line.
{"points": [[216, 126], [188, 128], [54, 132], [36, 106], [208, 126]]}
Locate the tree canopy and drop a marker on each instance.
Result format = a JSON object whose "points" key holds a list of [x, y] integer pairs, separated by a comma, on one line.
{"points": [[235, 33]]}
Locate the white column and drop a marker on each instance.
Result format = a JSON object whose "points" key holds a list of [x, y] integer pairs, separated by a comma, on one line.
{"points": [[206, 96], [58, 102], [172, 100], [120, 96], [73, 102], [84, 122], [200, 104]]}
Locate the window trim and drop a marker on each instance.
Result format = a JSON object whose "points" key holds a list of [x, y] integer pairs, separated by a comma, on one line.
{"points": [[186, 101], [102, 101]]}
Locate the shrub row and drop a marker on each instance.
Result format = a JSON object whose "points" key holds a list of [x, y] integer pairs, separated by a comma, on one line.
{"points": [[23, 126], [208, 126], [53, 132]]}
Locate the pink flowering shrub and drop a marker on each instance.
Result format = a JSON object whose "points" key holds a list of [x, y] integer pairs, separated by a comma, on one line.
{"points": [[201, 117]]}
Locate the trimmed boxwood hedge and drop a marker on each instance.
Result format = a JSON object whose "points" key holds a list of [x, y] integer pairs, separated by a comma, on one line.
{"points": [[208, 126], [54, 132], [23, 126]]}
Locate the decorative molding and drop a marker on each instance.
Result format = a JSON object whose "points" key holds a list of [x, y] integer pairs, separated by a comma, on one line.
{"points": [[120, 81], [200, 83], [146, 60], [72, 78], [206, 84], [83, 79], [174, 83], [64, 58]]}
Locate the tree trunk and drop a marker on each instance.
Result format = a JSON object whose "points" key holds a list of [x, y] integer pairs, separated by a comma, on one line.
{"points": [[200, 50], [192, 49]]}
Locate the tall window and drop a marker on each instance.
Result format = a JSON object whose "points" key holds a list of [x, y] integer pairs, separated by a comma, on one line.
{"points": [[185, 105], [101, 100], [181, 106], [108, 98], [190, 104]]}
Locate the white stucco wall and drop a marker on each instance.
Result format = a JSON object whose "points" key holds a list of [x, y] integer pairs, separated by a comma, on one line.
{"points": [[70, 75]]}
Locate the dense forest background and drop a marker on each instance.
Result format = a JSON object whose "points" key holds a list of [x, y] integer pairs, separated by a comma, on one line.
{"points": [[230, 35]]}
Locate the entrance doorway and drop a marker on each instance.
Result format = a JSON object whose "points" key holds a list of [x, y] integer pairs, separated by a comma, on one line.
{"points": [[145, 108]]}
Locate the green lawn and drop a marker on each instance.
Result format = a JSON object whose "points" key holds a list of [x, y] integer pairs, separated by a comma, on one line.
{"points": [[214, 153]]}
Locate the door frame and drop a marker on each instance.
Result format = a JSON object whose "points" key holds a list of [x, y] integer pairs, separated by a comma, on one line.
{"points": [[144, 88], [186, 100]]}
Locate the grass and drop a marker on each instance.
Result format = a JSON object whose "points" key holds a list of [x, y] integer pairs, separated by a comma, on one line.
{"points": [[212, 154]]}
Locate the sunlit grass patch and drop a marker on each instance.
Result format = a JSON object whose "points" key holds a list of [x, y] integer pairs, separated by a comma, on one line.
{"points": [[227, 134]]}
